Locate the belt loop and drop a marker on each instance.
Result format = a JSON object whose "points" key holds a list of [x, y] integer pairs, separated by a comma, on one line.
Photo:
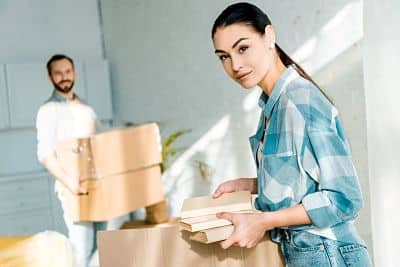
{"points": [[287, 236]]}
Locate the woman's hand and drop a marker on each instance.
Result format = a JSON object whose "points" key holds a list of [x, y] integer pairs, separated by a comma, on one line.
{"points": [[241, 184], [249, 228]]}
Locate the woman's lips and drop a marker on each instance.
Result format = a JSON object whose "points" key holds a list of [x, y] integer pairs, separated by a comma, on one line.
{"points": [[243, 76]]}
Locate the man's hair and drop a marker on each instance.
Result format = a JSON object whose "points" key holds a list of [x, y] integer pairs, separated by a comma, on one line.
{"points": [[56, 58]]}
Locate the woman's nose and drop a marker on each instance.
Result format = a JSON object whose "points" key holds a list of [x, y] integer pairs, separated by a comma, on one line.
{"points": [[236, 64]]}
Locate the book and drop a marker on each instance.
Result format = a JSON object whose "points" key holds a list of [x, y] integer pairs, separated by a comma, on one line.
{"points": [[206, 205], [212, 235], [195, 224]]}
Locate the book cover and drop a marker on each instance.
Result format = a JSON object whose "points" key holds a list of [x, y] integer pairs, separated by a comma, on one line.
{"points": [[212, 235], [206, 205], [195, 224]]}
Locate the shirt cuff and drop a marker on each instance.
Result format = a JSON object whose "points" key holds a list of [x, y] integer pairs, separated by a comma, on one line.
{"points": [[319, 209]]}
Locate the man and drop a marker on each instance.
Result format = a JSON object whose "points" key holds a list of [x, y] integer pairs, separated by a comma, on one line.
{"points": [[63, 116]]}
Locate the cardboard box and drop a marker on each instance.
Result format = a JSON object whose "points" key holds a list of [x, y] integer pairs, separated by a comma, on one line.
{"points": [[165, 245], [157, 213], [116, 195], [120, 169], [111, 152]]}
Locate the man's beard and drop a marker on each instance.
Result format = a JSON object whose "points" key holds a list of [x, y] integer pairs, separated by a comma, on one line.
{"points": [[65, 89]]}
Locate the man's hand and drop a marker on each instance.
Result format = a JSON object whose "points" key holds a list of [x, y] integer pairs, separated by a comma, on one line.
{"points": [[241, 184], [249, 228], [74, 185], [71, 182]]}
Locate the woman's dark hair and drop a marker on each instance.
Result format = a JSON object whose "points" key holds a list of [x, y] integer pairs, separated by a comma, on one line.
{"points": [[56, 58], [251, 15]]}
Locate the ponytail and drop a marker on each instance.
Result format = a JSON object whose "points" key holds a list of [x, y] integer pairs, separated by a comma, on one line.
{"points": [[288, 61]]}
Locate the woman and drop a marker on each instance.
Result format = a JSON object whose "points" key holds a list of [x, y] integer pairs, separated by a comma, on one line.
{"points": [[307, 186]]}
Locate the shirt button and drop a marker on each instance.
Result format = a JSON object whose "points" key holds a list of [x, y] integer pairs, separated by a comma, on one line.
{"points": [[321, 247]]}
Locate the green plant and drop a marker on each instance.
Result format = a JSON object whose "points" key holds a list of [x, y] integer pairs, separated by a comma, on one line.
{"points": [[168, 150]]}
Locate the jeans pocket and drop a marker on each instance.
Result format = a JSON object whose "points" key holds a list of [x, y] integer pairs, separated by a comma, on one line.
{"points": [[355, 255], [304, 241], [304, 256]]}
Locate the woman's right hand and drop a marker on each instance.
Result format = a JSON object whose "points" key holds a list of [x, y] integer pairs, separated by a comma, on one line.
{"points": [[240, 184]]}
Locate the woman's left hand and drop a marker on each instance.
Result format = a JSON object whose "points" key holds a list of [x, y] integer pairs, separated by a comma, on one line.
{"points": [[249, 228]]}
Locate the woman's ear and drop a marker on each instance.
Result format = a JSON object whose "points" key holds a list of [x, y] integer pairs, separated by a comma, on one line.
{"points": [[270, 36]]}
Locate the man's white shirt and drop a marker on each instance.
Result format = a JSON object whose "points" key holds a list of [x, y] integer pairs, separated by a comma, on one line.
{"points": [[59, 119]]}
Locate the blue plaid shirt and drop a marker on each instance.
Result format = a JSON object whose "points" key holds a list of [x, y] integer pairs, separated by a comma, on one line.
{"points": [[306, 159]]}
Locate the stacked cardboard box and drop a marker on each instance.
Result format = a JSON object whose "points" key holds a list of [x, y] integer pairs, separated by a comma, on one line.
{"points": [[120, 169], [199, 217]]}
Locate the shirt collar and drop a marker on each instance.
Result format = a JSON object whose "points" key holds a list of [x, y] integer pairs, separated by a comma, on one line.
{"points": [[266, 102], [56, 97]]}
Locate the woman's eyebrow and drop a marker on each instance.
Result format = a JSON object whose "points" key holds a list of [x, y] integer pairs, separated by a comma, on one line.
{"points": [[238, 41], [233, 46]]}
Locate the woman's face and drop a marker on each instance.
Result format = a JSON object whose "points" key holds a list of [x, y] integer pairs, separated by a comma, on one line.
{"points": [[245, 54]]}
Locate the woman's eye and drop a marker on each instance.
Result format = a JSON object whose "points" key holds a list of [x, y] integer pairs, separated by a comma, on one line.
{"points": [[223, 57], [243, 48]]}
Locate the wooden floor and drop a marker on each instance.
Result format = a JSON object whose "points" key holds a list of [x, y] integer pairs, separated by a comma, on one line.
{"points": [[8, 241]]}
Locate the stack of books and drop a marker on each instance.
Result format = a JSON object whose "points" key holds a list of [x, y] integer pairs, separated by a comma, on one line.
{"points": [[198, 215]]}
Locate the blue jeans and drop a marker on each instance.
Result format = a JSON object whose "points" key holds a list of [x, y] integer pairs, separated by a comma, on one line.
{"points": [[83, 235], [301, 248]]}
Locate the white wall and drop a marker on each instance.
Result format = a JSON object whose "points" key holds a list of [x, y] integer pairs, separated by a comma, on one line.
{"points": [[34, 30], [163, 69], [381, 66]]}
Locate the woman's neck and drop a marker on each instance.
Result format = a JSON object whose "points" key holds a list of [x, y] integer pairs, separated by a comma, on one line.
{"points": [[272, 76]]}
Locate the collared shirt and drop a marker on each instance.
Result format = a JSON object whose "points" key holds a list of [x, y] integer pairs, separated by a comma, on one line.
{"points": [[305, 159], [59, 119]]}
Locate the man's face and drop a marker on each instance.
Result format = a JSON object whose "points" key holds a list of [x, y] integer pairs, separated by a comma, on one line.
{"points": [[62, 75]]}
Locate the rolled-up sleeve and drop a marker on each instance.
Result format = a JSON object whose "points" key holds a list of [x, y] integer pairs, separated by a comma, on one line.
{"points": [[46, 132], [339, 197]]}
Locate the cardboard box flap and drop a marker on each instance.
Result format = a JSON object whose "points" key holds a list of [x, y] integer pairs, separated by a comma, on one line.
{"points": [[206, 205], [139, 224]]}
